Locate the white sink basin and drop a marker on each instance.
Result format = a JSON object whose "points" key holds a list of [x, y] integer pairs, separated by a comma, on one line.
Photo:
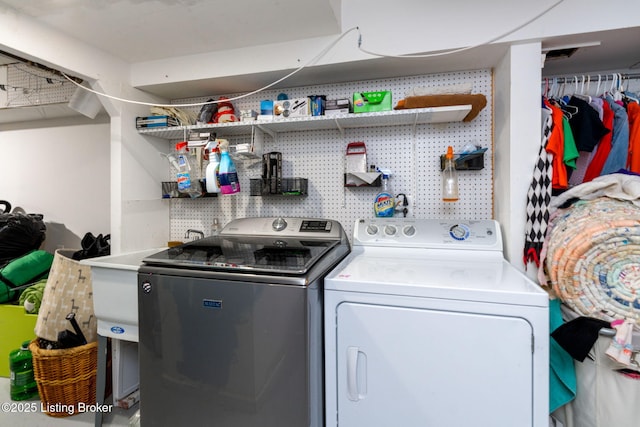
{"points": [[115, 295]]}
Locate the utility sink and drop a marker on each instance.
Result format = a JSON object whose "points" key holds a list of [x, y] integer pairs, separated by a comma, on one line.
{"points": [[115, 296]]}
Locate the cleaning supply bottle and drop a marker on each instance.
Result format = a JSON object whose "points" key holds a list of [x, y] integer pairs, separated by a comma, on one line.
{"points": [[23, 385], [384, 203], [211, 173], [449, 178], [227, 173], [187, 183], [215, 227]]}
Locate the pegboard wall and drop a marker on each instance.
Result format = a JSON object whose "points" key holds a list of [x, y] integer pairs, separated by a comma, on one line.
{"points": [[30, 86], [412, 153]]}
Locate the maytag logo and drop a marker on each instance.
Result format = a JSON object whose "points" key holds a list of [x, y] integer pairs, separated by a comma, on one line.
{"points": [[211, 303]]}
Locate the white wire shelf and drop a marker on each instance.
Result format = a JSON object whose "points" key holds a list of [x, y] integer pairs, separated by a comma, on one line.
{"points": [[339, 122]]}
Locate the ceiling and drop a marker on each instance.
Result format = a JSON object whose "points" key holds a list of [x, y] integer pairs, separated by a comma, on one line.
{"points": [[145, 30]]}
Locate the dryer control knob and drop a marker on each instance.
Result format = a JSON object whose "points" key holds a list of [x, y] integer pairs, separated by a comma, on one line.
{"points": [[409, 230], [279, 224], [390, 230], [460, 232], [372, 230]]}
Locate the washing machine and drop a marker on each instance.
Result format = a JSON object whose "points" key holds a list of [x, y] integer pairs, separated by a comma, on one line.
{"points": [[427, 325], [230, 326]]}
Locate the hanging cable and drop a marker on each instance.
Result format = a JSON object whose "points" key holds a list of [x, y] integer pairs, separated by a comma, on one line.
{"points": [[462, 49], [314, 60]]}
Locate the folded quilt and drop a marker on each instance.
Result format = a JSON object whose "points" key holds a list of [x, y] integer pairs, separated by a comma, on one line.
{"points": [[616, 186]]}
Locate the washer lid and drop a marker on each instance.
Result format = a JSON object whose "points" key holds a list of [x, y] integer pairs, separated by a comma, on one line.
{"points": [[434, 274], [245, 253]]}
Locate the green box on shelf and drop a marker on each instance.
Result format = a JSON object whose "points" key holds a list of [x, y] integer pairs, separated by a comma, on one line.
{"points": [[369, 102], [16, 326]]}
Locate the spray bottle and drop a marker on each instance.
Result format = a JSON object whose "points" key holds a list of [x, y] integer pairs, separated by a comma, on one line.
{"points": [[227, 173], [187, 183], [449, 178], [384, 204]]}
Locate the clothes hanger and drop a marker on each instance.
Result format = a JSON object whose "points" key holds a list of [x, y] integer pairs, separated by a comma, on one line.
{"points": [[581, 94], [629, 97], [568, 110], [618, 93], [547, 89]]}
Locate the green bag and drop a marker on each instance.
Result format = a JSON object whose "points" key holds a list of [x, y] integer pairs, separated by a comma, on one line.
{"points": [[23, 271]]}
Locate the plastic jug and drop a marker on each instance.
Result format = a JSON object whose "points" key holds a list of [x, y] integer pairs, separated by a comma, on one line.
{"points": [[22, 384]]}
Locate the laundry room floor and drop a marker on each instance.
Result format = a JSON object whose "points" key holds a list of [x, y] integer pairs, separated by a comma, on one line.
{"points": [[117, 417]]}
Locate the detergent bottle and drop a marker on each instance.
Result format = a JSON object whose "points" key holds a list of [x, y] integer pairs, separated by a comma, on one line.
{"points": [[211, 173], [384, 204], [22, 384], [227, 173]]}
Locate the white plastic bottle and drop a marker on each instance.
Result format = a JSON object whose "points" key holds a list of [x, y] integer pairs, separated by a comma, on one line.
{"points": [[227, 173], [211, 173], [449, 178], [187, 183]]}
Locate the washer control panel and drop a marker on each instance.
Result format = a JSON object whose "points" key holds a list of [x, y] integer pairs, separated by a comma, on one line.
{"points": [[428, 233], [284, 227]]}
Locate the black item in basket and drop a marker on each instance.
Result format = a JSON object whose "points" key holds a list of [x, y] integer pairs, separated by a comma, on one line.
{"points": [[68, 339], [19, 235], [93, 246]]}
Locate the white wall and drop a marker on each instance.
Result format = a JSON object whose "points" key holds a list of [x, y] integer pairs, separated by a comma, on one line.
{"points": [[517, 140], [60, 169], [137, 218]]}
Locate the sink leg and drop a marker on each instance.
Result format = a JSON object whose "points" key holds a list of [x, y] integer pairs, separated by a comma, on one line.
{"points": [[101, 380]]}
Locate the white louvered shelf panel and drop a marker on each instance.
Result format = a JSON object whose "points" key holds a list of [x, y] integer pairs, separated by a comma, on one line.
{"points": [[340, 122]]}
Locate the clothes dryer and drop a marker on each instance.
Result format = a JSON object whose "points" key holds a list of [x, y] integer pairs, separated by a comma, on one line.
{"points": [[426, 324]]}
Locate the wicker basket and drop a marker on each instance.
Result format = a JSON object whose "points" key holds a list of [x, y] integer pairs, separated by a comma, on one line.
{"points": [[65, 378]]}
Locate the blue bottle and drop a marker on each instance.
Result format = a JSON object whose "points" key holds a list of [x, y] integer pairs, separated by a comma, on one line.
{"points": [[384, 204], [227, 173]]}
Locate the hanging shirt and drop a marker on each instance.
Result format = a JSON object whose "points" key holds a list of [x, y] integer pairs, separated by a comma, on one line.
{"points": [[633, 159], [555, 147], [594, 169], [596, 104], [586, 125], [617, 158], [570, 150], [539, 197]]}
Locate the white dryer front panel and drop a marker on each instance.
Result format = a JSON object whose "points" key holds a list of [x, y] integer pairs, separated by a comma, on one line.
{"points": [[421, 367]]}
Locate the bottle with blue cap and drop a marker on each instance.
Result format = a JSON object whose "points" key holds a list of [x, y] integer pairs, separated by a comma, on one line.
{"points": [[384, 204]]}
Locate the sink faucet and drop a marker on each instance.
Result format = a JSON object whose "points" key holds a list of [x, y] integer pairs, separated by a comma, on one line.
{"points": [[189, 231]]}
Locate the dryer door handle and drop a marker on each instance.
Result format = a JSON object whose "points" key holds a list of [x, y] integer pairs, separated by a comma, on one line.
{"points": [[356, 374]]}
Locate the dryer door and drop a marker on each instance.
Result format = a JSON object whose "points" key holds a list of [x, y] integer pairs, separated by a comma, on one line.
{"points": [[400, 366]]}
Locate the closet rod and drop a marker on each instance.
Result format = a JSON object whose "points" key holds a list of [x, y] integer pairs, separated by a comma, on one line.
{"points": [[592, 78]]}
